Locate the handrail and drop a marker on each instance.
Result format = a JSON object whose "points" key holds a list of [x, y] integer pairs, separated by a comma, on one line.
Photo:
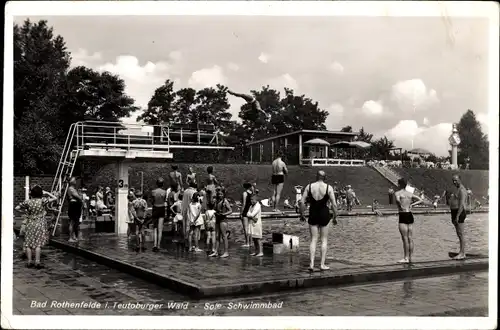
{"points": [[64, 155]]}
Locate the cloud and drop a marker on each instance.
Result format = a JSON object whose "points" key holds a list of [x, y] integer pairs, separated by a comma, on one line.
{"points": [[337, 67], [263, 57], [433, 138], [285, 80], [373, 108], [233, 66], [413, 95], [175, 55], [82, 58], [140, 80], [207, 77], [335, 115], [235, 106]]}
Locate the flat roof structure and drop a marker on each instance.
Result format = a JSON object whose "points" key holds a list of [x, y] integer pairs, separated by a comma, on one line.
{"points": [[306, 147], [306, 131]]}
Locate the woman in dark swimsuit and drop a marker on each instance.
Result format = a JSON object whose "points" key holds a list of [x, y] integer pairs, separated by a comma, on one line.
{"points": [[318, 195], [246, 203]]}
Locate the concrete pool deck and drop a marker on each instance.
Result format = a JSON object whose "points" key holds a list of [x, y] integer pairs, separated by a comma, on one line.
{"points": [[199, 276]]}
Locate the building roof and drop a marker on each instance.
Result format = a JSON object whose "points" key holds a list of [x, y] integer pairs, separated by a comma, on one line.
{"points": [[305, 131], [419, 151], [318, 141]]}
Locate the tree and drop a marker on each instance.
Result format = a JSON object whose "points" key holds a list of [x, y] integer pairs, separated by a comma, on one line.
{"points": [[212, 108], [94, 96], [300, 112], [364, 136], [161, 106], [185, 102], [347, 129], [254, 123], [284, 115], [40, 64], [473, 142], [382, 147]]}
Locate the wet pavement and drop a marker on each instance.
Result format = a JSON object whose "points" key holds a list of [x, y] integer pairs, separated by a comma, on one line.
{"points": [[71, 279], [198, 275]]}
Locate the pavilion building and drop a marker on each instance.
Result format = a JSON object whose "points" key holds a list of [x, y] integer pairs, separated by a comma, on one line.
{"points": [[309, 147]]}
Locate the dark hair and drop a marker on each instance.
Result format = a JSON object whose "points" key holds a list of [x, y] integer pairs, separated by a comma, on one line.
{"points": [[195, 196], [181, 195], [175, 167], [210, 169], [280, 153], [247, 185], [402, 183], [36, 191], [138, 193], [159, 182]]}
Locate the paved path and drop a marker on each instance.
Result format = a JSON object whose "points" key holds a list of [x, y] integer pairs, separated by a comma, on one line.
{"points": [[68, 278]]}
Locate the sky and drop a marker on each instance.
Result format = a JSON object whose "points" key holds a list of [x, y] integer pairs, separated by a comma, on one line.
{"points": [[408, 78]]}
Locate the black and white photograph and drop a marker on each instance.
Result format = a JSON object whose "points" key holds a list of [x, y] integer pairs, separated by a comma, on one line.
{"points": [[287, 164]]}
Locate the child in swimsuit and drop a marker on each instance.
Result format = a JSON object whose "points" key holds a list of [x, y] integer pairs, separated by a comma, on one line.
{"points": [[210, 228], [194, 220], [298, 197], [176, 210], [140, 206]]}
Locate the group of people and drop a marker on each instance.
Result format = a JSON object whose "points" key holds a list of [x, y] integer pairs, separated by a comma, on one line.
{"points": [[199, 206], [405, 200]]}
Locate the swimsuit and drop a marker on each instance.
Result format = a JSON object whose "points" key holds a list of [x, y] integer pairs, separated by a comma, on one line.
{"points": [[461, 217], [277, 178], [406, 218], [319, 214], [247, 204], [221, 208]]}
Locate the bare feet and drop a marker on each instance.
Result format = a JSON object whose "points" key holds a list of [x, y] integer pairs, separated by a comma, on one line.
{"points": [[460, 257], [403, 261], [225, 255], [324, 267]]}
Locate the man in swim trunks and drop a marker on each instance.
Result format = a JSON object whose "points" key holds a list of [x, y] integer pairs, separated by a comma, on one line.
{"points": [[175, 177], [191, 176], [458, 203], [74, 211], [318, 195], [210, 187], [159, 201], [404, 201], [278, 179]]}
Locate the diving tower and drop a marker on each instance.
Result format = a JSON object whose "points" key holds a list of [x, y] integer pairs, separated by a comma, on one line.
{"points": [[125, 144]]}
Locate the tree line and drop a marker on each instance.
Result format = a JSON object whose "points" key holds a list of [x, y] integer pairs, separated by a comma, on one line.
{"points": [[49, 96]]}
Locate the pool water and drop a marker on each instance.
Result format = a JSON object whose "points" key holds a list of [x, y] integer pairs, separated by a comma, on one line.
{"points": [[376, 240]]}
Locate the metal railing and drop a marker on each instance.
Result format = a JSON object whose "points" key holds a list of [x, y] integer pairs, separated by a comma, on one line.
{"points": [[333, 162], [117, 135]]}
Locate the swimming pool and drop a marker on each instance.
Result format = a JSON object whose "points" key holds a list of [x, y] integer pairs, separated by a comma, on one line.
{"points": [[376, 240]]}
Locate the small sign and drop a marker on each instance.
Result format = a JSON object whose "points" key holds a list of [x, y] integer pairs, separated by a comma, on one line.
{"points": [[120, 184]]}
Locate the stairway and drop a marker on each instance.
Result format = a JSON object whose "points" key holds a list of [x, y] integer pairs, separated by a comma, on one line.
{"points": [[64, 172], [393, 177]]}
